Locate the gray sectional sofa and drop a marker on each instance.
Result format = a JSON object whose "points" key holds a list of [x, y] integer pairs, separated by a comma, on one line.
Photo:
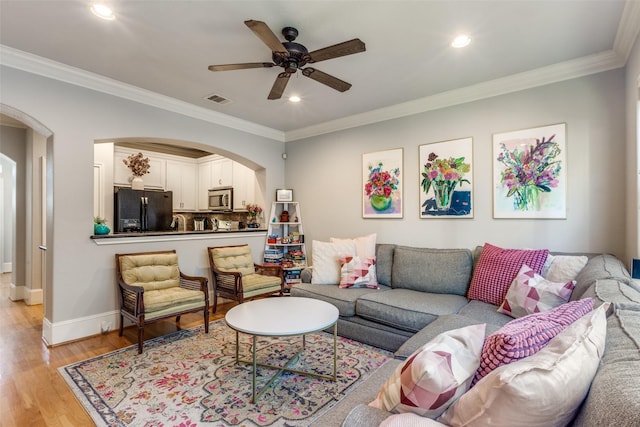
{"points": [[423, 293]]}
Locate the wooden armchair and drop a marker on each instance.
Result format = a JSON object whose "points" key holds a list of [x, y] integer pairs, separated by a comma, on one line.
{"points": [[152, 287], [235, 276]]}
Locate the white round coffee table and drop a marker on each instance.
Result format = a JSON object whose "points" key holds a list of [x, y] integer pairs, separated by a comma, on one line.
{"points": [[282, 317]]}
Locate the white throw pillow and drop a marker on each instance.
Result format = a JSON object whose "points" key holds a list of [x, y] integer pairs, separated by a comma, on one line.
{"points": [[410, 420], [365, 245], [435, 375], [544, 389], [563, 268], [325, 259]]}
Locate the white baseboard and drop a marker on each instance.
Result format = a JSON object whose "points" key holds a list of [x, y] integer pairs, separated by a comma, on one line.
{"points": [[74, 329], [7, 267], [16, 293], [33, 296]]}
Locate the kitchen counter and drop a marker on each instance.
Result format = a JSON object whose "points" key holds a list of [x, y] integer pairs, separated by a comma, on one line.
{"points": [[121, 238]]}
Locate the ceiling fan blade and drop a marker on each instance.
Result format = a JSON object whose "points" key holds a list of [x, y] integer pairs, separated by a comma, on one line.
{"points": [[229, 67], [341, 49], [326, 79], [279, 85], [265, 34]]}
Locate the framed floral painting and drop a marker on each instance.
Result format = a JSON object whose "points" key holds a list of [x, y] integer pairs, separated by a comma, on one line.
{"points": [[382, 184], [446, 179], [529, 173]]}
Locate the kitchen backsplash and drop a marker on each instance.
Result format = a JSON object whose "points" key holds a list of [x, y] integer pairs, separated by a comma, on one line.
{"points": [[187, 218]]}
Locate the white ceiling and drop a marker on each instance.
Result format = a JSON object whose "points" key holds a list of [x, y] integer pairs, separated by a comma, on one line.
{"points": [[165, 47]]}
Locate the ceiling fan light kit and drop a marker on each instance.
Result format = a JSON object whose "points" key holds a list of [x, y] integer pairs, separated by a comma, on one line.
{"points": [[292, 56]]}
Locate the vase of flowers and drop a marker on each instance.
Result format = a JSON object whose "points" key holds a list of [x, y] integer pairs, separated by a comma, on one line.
{"points": [[254, 211], [529, 172], [139, 166], [443, 175], [380, 186]]}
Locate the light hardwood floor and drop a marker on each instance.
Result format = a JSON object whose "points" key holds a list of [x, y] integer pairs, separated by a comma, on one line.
{"points": [[32, 392]]}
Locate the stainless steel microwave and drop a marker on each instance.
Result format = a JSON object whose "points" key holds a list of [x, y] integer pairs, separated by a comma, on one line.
{"points": [[221, 199]]}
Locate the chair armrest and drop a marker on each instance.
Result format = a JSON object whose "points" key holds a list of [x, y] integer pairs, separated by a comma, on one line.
{"points": [[268, 270], [195, 283], [131, 298]]}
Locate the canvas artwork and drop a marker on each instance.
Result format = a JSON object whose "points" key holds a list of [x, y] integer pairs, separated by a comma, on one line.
{"points": [[529, 173], [446, 179], [382, 184]]}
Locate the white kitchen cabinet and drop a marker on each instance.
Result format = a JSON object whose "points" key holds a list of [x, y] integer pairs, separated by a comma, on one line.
{"points": [[182, 181], [244, 191], [122, 174], [204, 184], [222, 173]]}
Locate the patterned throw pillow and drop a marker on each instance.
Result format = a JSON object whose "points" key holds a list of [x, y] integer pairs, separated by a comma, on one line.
{"points": [[527, 335], [358, 273], [496, 269], [532, 293], [435, 375], [544, 390]]}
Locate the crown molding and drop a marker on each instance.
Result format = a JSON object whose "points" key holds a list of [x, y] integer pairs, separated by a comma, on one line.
{"points": [[34, 64], [580, 67], [628, 29]]}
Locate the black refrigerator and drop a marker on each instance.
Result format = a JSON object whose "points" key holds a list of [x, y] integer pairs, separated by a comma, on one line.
{"points": [[142, 210]]}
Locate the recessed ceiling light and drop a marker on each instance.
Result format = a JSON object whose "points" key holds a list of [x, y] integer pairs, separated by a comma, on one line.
{"points": [[103, 11], [461, 41], [294, 98]]}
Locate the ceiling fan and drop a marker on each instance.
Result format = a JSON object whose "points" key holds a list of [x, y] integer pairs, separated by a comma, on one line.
{"points": [[292, 56]]}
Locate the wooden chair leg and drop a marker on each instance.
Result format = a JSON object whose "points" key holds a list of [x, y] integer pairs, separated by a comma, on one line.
{"points": [[215, 302], [206, 320], [140, 338], [177, 319], [121, 329]]}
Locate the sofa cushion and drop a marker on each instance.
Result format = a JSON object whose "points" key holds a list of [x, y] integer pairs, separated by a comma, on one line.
{"points": [[545, 389], [384, 263], [612, 290], [531, 293], [435, 375], [441, 271], [325, 258], [442, 324], [150, 271], [407, 309], [496, 269], [527, 335], [410, 419], [483, 312], [343, 299], [602, 266], [614, 397]]}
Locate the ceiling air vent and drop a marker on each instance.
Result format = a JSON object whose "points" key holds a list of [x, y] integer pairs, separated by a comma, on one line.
{"points": [[218, 99]]}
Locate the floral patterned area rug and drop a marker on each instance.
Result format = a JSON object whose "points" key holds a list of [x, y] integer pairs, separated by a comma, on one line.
{"points": [[189, 378]]}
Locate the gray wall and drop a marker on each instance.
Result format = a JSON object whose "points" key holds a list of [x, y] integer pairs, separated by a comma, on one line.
{"points": [[83, 273], [325, 171], [632, 161]]}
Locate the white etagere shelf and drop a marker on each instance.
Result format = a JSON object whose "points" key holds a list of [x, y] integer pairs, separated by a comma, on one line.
{"points": [[285, 245]]}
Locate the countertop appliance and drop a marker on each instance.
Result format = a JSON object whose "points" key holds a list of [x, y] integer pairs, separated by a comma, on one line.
{"points": [[142, 210], [221, 199]]}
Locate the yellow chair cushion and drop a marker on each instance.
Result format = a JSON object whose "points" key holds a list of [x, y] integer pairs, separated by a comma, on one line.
{"points": [[156, 300], [234, 258], [257, 284], [151, 271]]}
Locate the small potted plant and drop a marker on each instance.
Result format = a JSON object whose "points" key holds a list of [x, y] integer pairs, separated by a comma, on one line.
{"points": [[100, 226]]}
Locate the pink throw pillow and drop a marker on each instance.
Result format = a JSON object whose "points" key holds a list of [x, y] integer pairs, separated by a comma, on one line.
{"points": [[496, 269], [532, 293], [527, 335]]}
